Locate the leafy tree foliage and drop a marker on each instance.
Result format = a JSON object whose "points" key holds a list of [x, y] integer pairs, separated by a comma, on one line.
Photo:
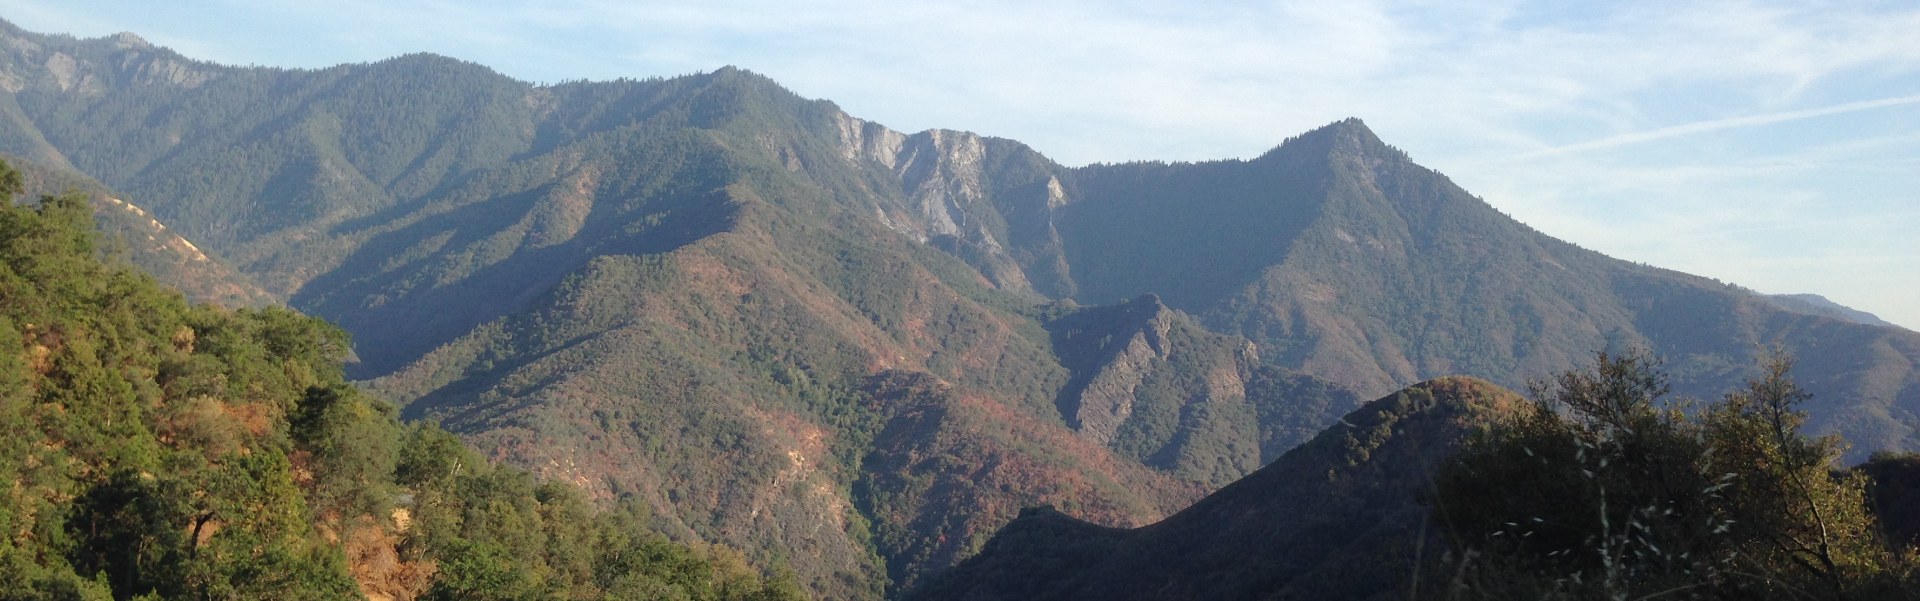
{"points": [[1600, 490], [1894, 495], [158, 450]]}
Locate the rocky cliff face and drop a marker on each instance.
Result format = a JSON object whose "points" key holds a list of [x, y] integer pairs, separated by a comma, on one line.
{"points": [[941, 173], [989, 202], [1106, 400]]}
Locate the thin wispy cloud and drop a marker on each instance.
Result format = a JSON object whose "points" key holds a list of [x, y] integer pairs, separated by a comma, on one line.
{"points": [[1722, 124]]}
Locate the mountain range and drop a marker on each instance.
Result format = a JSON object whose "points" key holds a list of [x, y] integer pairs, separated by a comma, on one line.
{"points": [[851, 350]]}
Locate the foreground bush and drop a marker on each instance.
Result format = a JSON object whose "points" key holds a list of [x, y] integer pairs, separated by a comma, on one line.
{"points": [[1601, 490]]}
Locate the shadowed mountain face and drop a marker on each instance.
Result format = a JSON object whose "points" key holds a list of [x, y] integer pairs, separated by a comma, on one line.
{"points": [[1335, 518], [853, 349]]}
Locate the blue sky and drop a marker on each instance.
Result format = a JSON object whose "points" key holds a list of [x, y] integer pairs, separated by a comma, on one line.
{"points": [[1775, 145]]}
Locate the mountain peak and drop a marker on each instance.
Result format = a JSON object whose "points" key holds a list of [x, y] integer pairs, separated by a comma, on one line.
{"points": [[1346, 137], [432, 60], [1353, 134], [127, 40], [736, 76], [1352, 137], [1349, 125]]}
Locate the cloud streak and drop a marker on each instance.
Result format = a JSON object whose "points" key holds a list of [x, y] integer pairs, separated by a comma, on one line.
{"points": [[1715, 125]]}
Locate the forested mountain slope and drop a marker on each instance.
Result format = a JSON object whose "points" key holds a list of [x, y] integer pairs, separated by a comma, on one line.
{"points": [[157, 450], [851, 348], [131, 233], [1387, 273]]}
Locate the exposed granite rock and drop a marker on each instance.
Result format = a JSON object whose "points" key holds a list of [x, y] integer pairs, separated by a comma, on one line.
{"points": [[64, 69], [862, 140], [165, 71], [941, 173], [1107, 401]]}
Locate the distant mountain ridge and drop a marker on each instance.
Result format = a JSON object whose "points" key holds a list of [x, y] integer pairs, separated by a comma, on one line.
{"points": [[788, 328], [1820, 305]]}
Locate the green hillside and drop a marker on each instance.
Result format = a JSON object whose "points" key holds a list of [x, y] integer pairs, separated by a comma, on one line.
{"points": [[129, 232], [160, 450]]}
